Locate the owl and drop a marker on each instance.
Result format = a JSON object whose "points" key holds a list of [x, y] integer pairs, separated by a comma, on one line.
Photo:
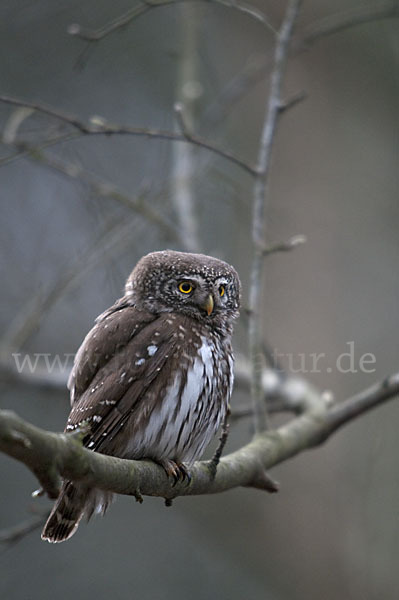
{"points": [[153, 377]]}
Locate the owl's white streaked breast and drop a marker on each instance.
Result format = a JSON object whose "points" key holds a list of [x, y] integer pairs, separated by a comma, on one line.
{"points": [[187, 419]]}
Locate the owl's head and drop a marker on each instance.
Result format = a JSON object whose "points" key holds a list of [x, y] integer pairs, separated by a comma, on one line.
{"points": [[197, 285]]}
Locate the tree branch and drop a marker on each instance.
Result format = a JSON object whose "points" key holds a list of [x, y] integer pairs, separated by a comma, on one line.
{"points": [[99, 126], [341, 21], [91, 35], [115, 233], [51, 456], [103, 188], [260, 197], [339, 414], [291, 244], [12, 535]]}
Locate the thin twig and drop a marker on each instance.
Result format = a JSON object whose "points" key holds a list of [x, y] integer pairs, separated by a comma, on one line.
{"points": [[291, 102], [237, 88], [180, 118], [213, 463], [343, 412], [91, 35], [291, 244], [254, 72], [346, 20], [12, 535], [260, 196], [105, 189], [99, 126], [115, 233], [47, 110], [263, 481], [173, 136], [24, 152]]}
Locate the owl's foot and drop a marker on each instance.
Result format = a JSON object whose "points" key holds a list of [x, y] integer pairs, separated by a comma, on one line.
{"points": [[177, 471]]}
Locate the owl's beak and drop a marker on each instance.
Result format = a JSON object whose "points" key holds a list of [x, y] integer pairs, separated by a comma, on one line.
{"points": [[208, 306]]}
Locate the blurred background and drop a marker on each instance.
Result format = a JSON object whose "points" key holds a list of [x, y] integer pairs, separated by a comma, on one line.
{"points": [[78, 214]]}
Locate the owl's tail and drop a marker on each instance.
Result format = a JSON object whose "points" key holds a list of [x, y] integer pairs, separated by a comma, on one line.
{"points": [[74, 502]]}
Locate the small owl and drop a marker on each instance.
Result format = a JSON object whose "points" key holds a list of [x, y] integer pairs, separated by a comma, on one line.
{"points": [[154, 376]]}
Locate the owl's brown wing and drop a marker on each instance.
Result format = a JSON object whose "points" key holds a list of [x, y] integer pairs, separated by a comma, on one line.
{"points": [[113, 330], [118, 362]]}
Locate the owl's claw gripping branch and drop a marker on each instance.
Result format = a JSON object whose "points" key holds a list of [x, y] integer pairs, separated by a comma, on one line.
{"points": [[177, 471]]}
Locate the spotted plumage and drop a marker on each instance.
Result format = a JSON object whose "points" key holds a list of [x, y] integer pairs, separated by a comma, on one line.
{"points": [[154, 376]]}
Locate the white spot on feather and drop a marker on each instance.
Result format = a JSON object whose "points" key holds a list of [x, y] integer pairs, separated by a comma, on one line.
{"points": [[140, 361], [151, 350]]}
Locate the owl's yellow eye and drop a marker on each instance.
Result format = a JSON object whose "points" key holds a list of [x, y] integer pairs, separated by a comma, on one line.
{"points": [[221, 290], [185, 287]]}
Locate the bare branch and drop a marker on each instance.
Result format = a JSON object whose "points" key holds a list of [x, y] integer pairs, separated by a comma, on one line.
{"points": [[12, 535], [263, 481], [179, 112], [131, 15], [222, 442], [103, 188], [260, 196], [341, 21], [47, 110], [91, 35], [24, 152], [99, 126], [247, 9], [286, 105], [291, 244], [51, 456], [114, 234], [238, 87], [370, 398]]}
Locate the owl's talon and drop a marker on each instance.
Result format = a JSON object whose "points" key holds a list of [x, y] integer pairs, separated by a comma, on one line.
{"points": [[185, 474], [177, 471]]}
